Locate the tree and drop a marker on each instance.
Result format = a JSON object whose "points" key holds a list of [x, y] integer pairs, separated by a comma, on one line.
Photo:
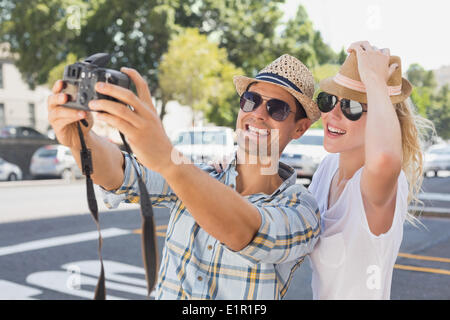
{"points": [[301, 40], [439, 112], [58, 71], [37, 31], [245, 28], [342, 55], [135, 32], [298, 38], [47, 34], [196, 72], [431, 102], [420, 77]]}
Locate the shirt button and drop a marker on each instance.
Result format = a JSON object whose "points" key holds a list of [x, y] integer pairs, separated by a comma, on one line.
{"points": [[209, 247], [199, 278]]}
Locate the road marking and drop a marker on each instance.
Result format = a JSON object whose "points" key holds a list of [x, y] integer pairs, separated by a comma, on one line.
{"points": [[120, 277], [429, 209], [57, 281], [434, 196], [14, 291], [59, 241], [162, 228], [418, 257], [421, 269]]}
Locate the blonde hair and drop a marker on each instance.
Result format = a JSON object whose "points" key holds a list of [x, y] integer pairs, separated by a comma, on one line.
{"points": [[414, 129]]}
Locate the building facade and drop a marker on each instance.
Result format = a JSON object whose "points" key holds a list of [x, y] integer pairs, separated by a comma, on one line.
{"points": [[19, 105]]}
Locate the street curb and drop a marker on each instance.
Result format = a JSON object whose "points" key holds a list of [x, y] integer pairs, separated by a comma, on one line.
{"points": [[416, 210], [430, 212], [34, 183]]}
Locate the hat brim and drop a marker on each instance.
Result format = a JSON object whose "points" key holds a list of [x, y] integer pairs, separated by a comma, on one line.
{"points": [[330, 86], [312, 111]]}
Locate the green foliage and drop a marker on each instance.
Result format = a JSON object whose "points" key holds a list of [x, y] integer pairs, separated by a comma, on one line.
{"points": [[57, 72], [245, 28], [301, 40], [439, 112], [421, 96], [431, 102], [420, 77], [196, 73], [36, 29], [342, 55], [47, 34], [317, 125]]}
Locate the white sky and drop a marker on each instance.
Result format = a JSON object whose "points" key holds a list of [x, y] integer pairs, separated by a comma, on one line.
{"points": [[416, 30]]}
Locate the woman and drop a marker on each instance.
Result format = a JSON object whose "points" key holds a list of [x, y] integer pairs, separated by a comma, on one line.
{"points": [[374, 170]]}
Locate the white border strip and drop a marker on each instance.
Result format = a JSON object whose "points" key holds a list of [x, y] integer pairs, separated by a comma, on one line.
{"points": [[60, 241]]}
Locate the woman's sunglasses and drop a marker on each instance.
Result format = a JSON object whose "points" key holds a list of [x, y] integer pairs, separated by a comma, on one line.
{"points": [[352, 110], [278, 109]]}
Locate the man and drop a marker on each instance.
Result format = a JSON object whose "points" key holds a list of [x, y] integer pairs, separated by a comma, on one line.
{"points": [[235, 235]]}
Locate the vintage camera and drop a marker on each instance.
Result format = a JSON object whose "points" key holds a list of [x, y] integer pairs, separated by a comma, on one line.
{"points": [[80, 79]]}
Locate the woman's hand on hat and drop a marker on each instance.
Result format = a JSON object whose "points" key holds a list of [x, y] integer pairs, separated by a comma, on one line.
{"points": [[373, 63]]}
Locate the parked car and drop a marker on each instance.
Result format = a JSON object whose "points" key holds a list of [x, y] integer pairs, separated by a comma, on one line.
{"points": [[305, 153], [9, 171], [203, 144], [21, 132], [54, 161], [437, 158]]}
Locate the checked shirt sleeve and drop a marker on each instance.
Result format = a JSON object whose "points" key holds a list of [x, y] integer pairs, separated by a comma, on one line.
{"points": [[289, 229], [160, 193]]}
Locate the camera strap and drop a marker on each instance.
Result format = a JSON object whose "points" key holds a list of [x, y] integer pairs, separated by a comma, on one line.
{"points": [[148, 234]]}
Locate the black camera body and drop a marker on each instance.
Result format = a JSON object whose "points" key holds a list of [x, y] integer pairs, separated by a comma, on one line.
{"points": [[80, 79]]}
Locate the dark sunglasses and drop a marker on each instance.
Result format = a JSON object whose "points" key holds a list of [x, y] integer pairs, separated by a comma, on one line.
{"points": [[352, 110], [278, 109]]}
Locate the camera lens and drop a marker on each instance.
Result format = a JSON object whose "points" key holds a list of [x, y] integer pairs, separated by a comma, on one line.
{"points": [[83, 98]]}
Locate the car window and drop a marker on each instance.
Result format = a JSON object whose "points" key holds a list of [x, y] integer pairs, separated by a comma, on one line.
{"points": [[23, 132], [30, 133], [309, 140], [214, 137], [440, 151], [8, 132], [47, 153], [202, 137]]}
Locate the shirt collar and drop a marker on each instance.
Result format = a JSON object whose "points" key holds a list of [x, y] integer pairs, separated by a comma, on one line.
{"points": [[286, 172]]}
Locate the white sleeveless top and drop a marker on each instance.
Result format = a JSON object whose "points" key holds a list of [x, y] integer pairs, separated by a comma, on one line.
{"points": [[349, 261]]}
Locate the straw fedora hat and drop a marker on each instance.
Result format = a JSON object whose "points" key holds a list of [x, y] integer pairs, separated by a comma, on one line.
{"points": [[290, 74], [347, 83]]}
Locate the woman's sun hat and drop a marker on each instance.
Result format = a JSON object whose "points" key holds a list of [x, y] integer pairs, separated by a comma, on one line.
{"points": [[347, 83], [290, 74]]}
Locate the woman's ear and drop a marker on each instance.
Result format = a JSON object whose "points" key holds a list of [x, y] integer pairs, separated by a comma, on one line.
{"points": [[300, 127]]}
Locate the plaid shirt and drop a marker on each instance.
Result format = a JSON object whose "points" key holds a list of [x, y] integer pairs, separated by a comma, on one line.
{"points": [[195, 265]]}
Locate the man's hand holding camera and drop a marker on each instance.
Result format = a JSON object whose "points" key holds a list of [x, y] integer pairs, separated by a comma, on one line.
{"points": [[142, 125], [63, 120]]}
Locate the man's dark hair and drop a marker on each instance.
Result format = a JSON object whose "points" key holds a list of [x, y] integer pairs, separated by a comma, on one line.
{"points": [[300, 112]]}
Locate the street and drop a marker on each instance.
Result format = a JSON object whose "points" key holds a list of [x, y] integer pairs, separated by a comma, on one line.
{"points": [[48, 246]]}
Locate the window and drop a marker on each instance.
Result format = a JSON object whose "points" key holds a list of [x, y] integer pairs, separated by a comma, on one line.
{"points": [[1, 76], [32, 114], [47, 153], [2, 115], [310, 140], [26, 132], [202, 137]]}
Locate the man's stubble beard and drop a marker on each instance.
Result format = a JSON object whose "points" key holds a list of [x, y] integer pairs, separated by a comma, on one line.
{"points": [[263, 151]]}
